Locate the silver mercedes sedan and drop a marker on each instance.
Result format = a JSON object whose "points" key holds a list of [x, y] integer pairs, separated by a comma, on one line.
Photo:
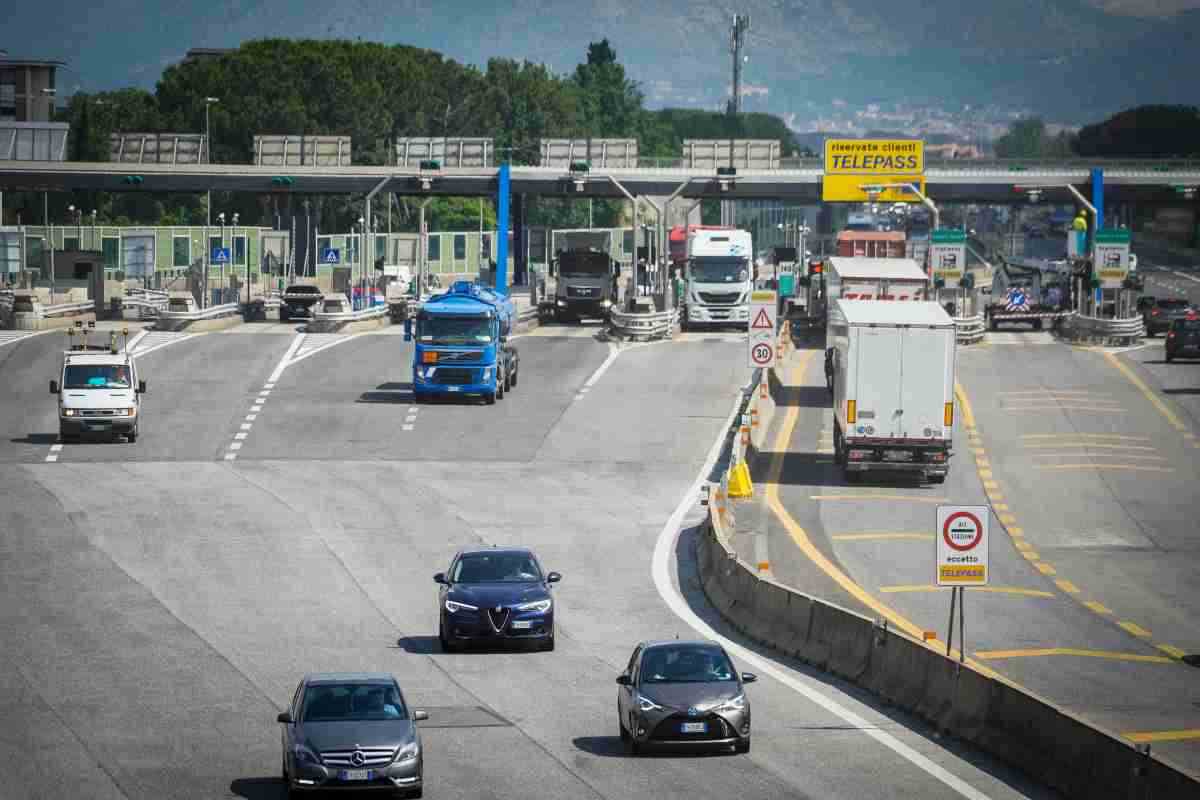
{"points": [[351, 731]]}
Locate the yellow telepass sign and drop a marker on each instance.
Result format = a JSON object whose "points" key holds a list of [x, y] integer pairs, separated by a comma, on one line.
{"points": [[874, 156], [892, 188]]}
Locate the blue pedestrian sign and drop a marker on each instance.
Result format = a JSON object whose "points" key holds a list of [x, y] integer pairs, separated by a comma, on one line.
{"points": [[220, 255], [330, 256]]}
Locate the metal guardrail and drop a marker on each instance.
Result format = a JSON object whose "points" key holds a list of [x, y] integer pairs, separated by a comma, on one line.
{"points": [[68, 308], [224, 310], [654, 325], [1096, 330], [969, 330]]}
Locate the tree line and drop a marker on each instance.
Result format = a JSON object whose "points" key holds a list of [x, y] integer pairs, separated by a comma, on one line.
{"points": [[1151, 131], [377, 93]]}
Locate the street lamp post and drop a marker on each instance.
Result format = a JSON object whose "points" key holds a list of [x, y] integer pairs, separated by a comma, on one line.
{"points": [[877, 188], [221, 222], [208, 101], [94, 230]]}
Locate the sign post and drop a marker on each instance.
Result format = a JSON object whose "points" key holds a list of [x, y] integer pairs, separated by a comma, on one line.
{"points": [[961, 558], [220, 255], [852, 163], [1110, 257], [948, 256], [761, 330]]}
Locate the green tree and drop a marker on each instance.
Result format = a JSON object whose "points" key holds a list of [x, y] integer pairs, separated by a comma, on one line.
{"points": [[609, 103], [1028, 138], [1154, 131]]}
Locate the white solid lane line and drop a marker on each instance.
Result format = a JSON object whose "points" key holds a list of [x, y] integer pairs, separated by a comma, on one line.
{"points": [[661, 572], [287, 357]]}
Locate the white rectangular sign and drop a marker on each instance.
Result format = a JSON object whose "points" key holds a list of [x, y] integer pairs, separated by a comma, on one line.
{"points": [[948, 262], [962, 545], [763, 342]]}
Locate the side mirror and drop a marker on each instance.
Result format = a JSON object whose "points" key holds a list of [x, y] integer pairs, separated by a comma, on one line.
{"points": [[408, 329], [420, 716], [441, 578], [285, 717], [749, 677], [622, 680], [141, 387], [553, 577], [54, 387]]}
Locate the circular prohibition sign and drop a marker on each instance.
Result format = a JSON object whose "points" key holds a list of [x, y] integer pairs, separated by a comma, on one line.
{"points": [[762, 353], [968, 517]]}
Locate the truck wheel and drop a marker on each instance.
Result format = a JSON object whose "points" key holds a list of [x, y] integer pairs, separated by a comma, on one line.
{"points": [[499, 388], [1037, 324], [508, 382], [991, 323], [516, 372], [853, 477], [490, 398], [133, 434], [937, 478]]}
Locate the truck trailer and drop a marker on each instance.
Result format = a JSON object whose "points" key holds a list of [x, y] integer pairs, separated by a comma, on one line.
{"points": [[875, 279], [893, 387], [461, 344], [871, 244]]}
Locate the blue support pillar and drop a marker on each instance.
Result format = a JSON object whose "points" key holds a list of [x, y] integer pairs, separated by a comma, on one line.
{"points": [[1098, 196], [501, 276]]}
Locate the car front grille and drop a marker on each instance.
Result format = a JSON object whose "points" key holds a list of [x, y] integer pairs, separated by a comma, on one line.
{"points": [[498, 620], [371, 757], [669, 729], [454, 376], [721, 298]]}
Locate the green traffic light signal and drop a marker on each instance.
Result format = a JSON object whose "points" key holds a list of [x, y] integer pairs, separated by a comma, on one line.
{"points": [[283, 180], [132, 180], [431, 165]]}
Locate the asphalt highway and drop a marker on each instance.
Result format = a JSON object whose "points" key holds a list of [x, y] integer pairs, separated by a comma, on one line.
{"points": [[160, 600]]}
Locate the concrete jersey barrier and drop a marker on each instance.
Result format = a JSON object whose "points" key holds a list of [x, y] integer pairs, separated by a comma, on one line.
{"points": [[1048, 743]]}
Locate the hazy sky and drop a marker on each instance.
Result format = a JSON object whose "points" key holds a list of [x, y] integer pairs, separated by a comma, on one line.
{"points": [[799, 50]]}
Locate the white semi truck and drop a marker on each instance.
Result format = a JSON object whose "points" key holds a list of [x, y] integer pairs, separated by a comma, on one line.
{"points": [[893, 387], [718, 278]]}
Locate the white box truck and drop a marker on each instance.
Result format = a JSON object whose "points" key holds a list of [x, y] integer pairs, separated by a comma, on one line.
{"points": [[857, 278], [718, 279], [893, 387]]}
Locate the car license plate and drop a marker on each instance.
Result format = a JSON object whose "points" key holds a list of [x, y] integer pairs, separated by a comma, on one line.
{"points": [[355, 775], [897, 455], [454, 388], [694, 727], [96, 426], [522, 624]]}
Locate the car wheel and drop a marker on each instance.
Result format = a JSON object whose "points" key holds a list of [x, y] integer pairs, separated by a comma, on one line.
{"points": [[1170, 358], [743, 746], [853, 477], [417, 793], [133, 434], [624, 734], [548, 645], [447, 645], [937, 478]]}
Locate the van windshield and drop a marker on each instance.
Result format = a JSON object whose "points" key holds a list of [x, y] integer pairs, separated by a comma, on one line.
{"points": [[96, 376]]}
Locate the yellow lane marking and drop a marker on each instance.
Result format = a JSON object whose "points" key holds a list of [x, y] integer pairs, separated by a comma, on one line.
{"points": [[910, 498], [862, 537], [1135, 629], [1013, 530], [1070, 651], [995, 589], [1088, 445], [1023, 545], [1031, 555], [984, 472], [1162, 407], [967, 412], [1007, 519], [1067, 586], [1084, 436], [982, 462], [1174, 652], [1163, 736], [1000, 506], [1131, 467], [1045, 568], [800, 536], [1099, 608]]}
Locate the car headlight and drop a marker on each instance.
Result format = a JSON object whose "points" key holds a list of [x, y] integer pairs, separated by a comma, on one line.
{"points": [[540, 606], [606, 303], [562, 303], [454, 606], [68, 412], [645, 703], [305, 756], [732, 704], [406, 753]]}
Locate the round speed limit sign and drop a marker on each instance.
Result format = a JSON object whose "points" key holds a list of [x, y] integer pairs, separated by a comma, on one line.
{"points": [[762, 354]]}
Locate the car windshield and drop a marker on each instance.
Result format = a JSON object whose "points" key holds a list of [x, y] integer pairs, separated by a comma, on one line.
{"points": [[719, 270], [96, 376], [1172, 303], [496, 568], [1187, 325], [686, 664], [583, 265], [454, 330], [303, 290], [352, 702]]}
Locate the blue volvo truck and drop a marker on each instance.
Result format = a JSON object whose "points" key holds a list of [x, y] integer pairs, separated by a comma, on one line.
{"points": [[461, 344]]}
